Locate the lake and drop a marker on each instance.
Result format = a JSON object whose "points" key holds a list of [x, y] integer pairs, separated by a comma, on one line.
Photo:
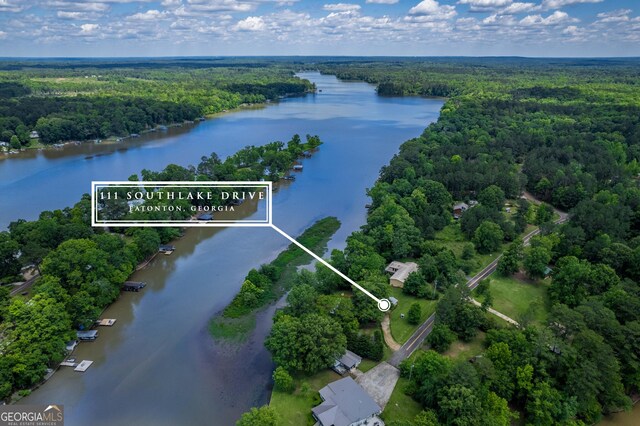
{"points": [[157, 365]]}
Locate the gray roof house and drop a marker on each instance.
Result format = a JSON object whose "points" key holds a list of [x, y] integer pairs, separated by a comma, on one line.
{"points": [[345, 403], [346, 363]]}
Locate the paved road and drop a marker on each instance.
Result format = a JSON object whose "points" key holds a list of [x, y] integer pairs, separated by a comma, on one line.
{"points": [[25, 286], [418, 337]]}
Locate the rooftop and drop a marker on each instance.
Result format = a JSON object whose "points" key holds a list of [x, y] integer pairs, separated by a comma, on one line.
{"points": [[350, 359], [401, 270], [344, 403]]}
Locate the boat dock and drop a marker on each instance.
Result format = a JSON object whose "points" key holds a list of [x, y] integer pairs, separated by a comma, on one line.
{"points": [[83, 366], [133, 285]]}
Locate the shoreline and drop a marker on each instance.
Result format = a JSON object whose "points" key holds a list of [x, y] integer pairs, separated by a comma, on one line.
{"points": [[115, 140], [249, 208]]}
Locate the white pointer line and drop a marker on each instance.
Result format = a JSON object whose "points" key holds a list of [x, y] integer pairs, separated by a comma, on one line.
{"points": [[383, 304]]}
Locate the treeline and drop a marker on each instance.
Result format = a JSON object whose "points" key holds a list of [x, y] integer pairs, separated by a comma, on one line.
{"points": [[84, 102], [569, 135], [83, 268]]}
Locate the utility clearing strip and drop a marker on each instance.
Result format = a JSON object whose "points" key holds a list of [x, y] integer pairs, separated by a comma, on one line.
{"points": [[108, 197]]}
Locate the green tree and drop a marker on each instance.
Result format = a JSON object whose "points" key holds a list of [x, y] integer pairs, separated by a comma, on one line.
{"points": [[544, 213], [416, 285], [492, 196], [536, 260], [569, 281], [147, 241], [263, 416], [308, 344], [459, 405], [282, 380], [9, 252], [509, 263], [301, 300], [441, 337], [468, 251], [415, 314], [14, 143], [488, 237], [79, 261]]}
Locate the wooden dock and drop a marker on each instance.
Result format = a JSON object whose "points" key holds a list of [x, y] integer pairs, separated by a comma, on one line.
{"points": [[107, 322], [83, 366]]}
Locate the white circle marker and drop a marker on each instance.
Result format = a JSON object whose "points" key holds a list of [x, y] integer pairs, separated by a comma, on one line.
{"points": [[384, 305]]}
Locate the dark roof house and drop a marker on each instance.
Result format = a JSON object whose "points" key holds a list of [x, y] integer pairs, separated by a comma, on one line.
{"points": [[346, 363], [345, 403]]}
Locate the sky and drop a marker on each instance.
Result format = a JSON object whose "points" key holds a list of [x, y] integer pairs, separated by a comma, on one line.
{"points": [[108, 28]]}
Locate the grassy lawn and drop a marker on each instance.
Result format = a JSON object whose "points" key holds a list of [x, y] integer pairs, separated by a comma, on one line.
{"points": [[367, 365], [463, 351], [295, 409], [451, 236], [400, 406], [513, 297], [400, 327]]}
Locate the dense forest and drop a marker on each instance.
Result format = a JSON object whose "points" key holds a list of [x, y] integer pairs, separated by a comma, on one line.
{"points": [[98, 99], [567, 132], [82, 268]]}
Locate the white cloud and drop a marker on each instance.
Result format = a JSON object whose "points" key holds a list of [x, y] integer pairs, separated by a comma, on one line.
{"points": [[171, 3], [557, 4], [88, 29], [620, 15], [484, 5], [431, 8], [252, 23], [73, 6], [383, 1], [341, 7], [10, 6], [3, 35], [149, 15], [499, 20], [555, 18], [77, 15], [220, 6], [519, 7]]}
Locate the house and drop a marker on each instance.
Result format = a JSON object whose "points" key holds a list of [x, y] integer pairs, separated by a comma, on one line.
{"points": [[87, 335], [34, 135], [400, 271], [345, 403], [346, 363], [459, 209], [133, 285]]}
